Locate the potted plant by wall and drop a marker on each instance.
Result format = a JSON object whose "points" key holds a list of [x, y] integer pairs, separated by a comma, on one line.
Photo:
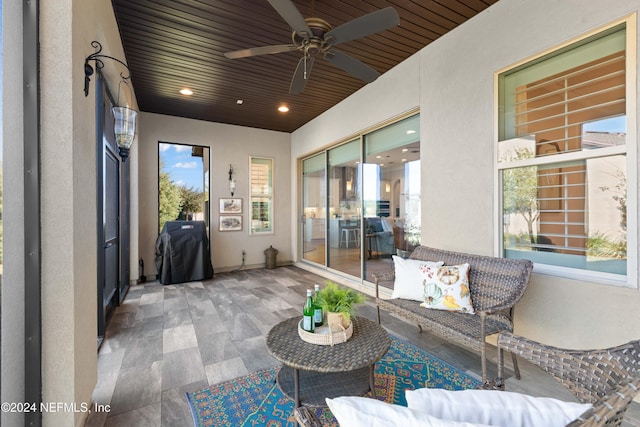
{"points": [[339, 303]]}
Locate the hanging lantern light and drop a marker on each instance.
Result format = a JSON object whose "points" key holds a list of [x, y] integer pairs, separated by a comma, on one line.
{"points": [[124, 128]]}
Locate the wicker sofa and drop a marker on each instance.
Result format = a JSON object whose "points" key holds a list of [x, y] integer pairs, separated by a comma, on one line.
{"points": [[607, 378], [495, 284]]}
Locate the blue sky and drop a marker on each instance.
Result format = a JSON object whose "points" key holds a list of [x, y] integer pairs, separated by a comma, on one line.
{"points": [[181, 166], [614, 124]]}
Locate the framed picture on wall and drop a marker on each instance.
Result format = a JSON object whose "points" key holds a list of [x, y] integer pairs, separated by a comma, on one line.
{"points": [[230, 205], [230, 223]]}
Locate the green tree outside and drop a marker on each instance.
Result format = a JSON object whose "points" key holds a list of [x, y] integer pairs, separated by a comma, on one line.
{"points": [[192, 202], [170, 199], [177, 202], [520, 190]]}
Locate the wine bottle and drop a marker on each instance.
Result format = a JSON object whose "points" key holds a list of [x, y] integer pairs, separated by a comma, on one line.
{"points": [[307, 313], [317, 310]]}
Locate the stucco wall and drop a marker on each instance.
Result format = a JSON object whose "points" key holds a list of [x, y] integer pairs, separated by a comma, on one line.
{"points": [[12, 385], [68, 194], [229, 145], [452, 81]]}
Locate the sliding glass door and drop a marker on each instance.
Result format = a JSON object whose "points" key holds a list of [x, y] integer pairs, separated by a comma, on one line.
{"points": [[345, 208], [361, 201], [314, 207]]}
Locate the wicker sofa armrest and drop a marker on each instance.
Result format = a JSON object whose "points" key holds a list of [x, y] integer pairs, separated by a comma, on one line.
{"points": [[588, 374], [379, 277], [386, 275], [609, 410]]}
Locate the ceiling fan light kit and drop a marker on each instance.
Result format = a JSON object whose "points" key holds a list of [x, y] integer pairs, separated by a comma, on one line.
{"points": [[315, 37]]}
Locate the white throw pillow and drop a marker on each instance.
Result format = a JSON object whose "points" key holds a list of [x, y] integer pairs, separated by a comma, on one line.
{"points": [[496, 408], [409, 277], [354, 411]]}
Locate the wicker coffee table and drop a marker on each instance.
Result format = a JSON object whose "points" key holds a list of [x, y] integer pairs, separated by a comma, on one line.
{"points": [[312, 372]]}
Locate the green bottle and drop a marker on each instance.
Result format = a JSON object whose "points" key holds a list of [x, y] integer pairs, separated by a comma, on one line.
{"points": [[317, 310], [307, 313]]}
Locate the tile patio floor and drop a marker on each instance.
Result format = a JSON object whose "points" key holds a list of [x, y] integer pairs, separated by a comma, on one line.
{"points": [[166, 340]]}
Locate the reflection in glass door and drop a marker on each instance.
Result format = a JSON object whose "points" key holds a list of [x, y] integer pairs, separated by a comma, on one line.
{"points": [[345, 209], [314, 196], [391, 194]]}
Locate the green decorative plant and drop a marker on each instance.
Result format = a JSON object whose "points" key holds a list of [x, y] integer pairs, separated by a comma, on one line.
{"points": [[336, 299]]}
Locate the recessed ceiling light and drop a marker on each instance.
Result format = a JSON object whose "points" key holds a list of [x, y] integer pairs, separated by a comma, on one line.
{"points": [[283, 108], [404, 150], [239, 101], [411, 131], [186, 91], [404, 160], [378, 157]]}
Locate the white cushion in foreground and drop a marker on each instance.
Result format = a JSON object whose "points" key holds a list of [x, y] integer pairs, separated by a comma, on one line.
{"points": [[354, 411], [496, 408]]}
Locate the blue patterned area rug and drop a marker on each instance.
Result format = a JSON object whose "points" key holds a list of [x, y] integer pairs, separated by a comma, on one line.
{"points": [[256, 400]]}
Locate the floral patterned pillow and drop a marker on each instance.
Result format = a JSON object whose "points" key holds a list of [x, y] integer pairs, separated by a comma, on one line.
{"points": [[447, 288]]}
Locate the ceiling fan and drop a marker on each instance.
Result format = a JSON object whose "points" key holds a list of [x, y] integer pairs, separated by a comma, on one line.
{"points": [[315, 37]]}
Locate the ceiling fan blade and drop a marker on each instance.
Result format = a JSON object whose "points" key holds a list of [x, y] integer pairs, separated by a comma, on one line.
{"points": [[371, 23], [302, 74], [352, 66], [292, 16], [262, 50]]}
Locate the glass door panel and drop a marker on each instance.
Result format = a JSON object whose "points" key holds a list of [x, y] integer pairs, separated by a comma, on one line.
{"points": [[391, 194], [345, 209], [314, 196]]}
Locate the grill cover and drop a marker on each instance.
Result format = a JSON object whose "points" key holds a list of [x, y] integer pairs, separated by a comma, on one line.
{"points": [[182, 252]]}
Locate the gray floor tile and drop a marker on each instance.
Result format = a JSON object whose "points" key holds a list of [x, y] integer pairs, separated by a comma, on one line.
{"points": [[152, 326], [136, 388], [175, 303], [217, 348], [109, 365], [182, 367], [176, 318], [241, 327], [126, 319], [175, 408], [173, 291], [147, 416], [152, 297], [201, 308], [225, 370], [143, 352], [153, 310], [96, 419], [254, 354], [179, 338], [209, 324]]}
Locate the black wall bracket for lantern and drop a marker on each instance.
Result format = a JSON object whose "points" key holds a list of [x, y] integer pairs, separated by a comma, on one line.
{"points": [[97, 57]]}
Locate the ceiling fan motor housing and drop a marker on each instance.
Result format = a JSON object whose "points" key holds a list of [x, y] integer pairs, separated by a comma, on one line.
{"points": [[315, 43]]}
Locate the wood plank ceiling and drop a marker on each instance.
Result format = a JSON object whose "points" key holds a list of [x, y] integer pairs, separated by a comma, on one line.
{"points": [[173, 44]]}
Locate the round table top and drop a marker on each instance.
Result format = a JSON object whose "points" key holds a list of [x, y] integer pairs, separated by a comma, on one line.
{"points": [[366, 346]]}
